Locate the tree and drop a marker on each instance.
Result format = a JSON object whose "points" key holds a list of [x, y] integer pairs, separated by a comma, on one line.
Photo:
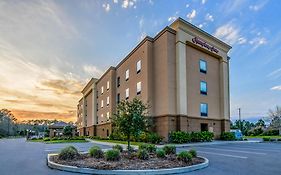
{"points": [[130, 118], [67, 131], [7, 122], [275, 116], [260, 123]]}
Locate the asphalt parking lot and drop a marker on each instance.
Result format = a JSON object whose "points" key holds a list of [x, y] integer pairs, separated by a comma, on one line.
{"points": [[18, 157]]}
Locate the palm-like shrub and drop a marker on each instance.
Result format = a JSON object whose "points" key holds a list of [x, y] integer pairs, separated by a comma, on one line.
{"points": [[96, 152], [67, 153]]}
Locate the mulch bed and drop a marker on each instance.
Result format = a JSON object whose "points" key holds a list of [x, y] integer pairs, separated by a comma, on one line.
{"points": [[127, 162]]}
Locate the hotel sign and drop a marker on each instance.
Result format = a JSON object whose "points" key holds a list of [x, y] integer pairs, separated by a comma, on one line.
{"points": [[204, 44]]}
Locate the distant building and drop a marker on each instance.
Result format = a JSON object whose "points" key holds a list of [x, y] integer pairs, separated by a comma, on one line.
{"points": [[182, 73], [56, 129]]}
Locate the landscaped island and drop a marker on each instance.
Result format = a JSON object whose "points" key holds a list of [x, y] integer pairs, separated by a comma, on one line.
{"points": [[147, 157]]}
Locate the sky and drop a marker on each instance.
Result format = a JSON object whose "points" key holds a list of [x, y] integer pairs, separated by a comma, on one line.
{"points": [[50, 49]]}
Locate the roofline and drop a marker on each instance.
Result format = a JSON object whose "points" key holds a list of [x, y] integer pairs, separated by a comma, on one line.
{"points": [[147, 38], [206, 33], [88, 84], [109, 69]]}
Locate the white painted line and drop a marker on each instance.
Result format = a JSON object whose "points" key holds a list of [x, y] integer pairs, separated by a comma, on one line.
{"points": [[226, 155], [247, 152], [255, 149]]}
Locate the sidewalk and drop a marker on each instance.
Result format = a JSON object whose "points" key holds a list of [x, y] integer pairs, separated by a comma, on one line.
{"points": [[216, 142]]}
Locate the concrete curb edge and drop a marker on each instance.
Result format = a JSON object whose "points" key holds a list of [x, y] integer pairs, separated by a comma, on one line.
{"points": [[178, 170]]}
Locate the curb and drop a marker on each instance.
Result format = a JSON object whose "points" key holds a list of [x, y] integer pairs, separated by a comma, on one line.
{"points": [[75, 169]]}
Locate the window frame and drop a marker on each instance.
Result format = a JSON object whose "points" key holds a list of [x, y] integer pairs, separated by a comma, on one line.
{"points": [[127, 95], [138, 88], [127, 74], [201, 90], [138, 68], [202, 114], [206, 66], [107, 85]]}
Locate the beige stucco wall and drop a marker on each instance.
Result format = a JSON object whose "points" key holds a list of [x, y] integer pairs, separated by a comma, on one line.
{"points": [[89, 108], [194, 76]]}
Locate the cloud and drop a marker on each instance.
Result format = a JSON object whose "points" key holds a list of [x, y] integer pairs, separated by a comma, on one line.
{"points": [[257, 42], [242, 40], [106, 7], [29, 115], [228, 33], [128, 3], [92, 71], [277, 88], [191, 15], [203, 2], [275, 74], [174, 17], [209, 17], [258, 6], [115, 1], [187, 5]]}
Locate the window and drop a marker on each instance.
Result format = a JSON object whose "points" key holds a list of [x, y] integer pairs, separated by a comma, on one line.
{"points": [[138, 88], [203, 66], [118, 98], [138, 66], [102, 103], [204, 109], [127, 75], [101, 118], [107, 116], [107, 85], [107, 101], [102, 90], [203, 87], [118, 81], [127, 93], [97, 107]]}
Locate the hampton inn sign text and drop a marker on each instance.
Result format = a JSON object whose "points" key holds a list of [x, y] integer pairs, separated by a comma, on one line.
{"points": [[203, 43]]}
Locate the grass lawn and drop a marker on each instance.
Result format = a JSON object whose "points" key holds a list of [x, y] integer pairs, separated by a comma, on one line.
{"points": [[120, 142], [272, 137], [59, 141]]}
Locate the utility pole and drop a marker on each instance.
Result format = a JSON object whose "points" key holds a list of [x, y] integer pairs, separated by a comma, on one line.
{"points": [[239, 114]]}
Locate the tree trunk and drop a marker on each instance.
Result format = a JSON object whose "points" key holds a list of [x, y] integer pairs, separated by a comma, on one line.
{"points": [[129, 146]]}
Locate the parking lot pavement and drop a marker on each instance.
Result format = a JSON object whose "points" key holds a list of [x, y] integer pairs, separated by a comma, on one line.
{"points": [[240, 159], [18, 157]]}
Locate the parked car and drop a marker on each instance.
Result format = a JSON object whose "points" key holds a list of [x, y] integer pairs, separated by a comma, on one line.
{"points": [[238, 134]]}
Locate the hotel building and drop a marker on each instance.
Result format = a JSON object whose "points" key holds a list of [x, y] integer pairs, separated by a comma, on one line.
{"points": [[182, 73]]}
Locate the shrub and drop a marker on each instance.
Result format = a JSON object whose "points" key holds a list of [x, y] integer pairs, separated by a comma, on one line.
{"points": [[204, 136], [271, 132], [46, 139], [96, 152], [169, 149], [193, 152], [179, 137], [130, 149], [279, 139], [34, 138], [69, 152], [184, 156], [227, 136], [266, 139], [160, 153], [142, 154], [117, 136], [154, 138], [272, 140], [112, 155], [54, 138], [118, 147], [148, 147]]}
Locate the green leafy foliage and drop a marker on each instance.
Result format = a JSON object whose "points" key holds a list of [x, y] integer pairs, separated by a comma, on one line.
{"points": [[130, 118], [179, 137], [67, 131], [148, 147], [184, 156], [169, 149], [204, 136], [143, 154], [193, 152], [96, 152], [112, 155], [227, 136], [266, 139], [118, 147], [67, 153], [160, 153]]}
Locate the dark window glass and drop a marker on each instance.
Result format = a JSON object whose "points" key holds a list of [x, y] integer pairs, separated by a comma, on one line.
{"points": [[118, 98], [203, 66], [204, 109], [203, 87], [118, 81]]}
